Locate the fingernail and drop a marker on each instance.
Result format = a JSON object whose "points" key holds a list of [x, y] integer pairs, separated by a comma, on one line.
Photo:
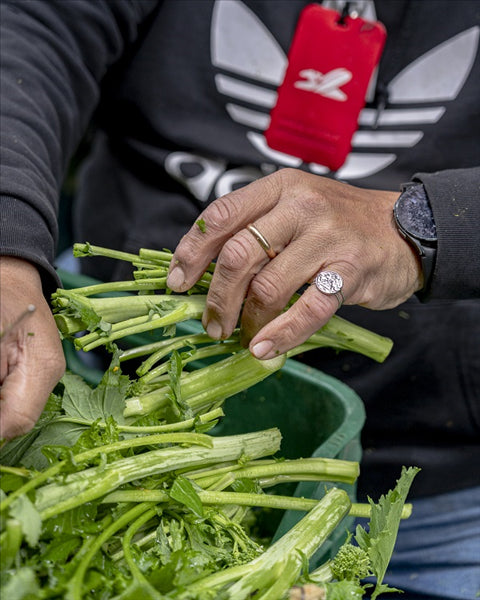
{"points": [[176, 278], [263, 349], [214, 329]]}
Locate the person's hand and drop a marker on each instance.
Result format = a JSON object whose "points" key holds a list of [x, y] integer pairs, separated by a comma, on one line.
{"points": [[31, 354], [313, 224]]}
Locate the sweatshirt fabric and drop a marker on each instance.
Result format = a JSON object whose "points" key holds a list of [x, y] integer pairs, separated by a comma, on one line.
{"points": [[172, 98]]}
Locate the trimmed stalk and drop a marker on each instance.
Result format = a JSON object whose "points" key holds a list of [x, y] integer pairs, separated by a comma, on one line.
{"points": [[202, 388], [95, 482]]}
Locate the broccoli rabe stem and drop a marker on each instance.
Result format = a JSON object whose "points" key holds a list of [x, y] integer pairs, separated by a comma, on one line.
{"points": [[337, 333], [270, 575], [228, 347], [158, 350], [341, 334], [149, 513], [92, 483], [208, 418], [149, 258], [88, 455], [328, 469], [203, 388], [110, 319], [218, 498]]}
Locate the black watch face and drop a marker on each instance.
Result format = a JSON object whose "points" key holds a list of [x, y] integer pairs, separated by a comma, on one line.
{"points": [[415, 215]]}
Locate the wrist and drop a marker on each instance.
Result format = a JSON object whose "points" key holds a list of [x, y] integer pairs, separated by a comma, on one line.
{"points": [[18, 274]]}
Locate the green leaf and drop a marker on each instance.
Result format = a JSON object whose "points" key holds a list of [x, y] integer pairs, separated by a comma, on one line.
{"points": [[27, 515], [385, 518], [79, 521], [62, 548], [184, 492], [76, 396], [10, 482], [109, 397], [55, 434]]}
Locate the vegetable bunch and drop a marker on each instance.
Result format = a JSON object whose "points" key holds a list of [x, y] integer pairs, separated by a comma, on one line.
{"points": [[91, 320], [124, 490]]}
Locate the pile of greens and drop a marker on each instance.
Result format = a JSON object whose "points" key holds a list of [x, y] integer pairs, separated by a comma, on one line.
{"points": [[124, 490]]}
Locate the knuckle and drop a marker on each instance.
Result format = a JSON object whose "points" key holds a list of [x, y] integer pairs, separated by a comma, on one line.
{"points": [[294, 330], [286, 174], [221, 212], [267, 289], [187, 247], [233, 257], [315, 310], [214, 304]]}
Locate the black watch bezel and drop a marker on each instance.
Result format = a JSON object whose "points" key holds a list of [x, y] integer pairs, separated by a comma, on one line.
{"points": [[414, 220]]}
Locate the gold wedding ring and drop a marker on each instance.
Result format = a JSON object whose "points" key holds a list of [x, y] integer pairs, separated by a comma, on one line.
{"points": [[262, 240]]}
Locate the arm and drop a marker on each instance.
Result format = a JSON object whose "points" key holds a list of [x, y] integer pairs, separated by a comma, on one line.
{"points": [[313, 223], [455, 199], [54, 56]]}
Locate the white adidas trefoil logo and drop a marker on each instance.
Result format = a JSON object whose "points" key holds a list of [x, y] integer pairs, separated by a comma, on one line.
{"points": [[250, 68], [327, 85]]}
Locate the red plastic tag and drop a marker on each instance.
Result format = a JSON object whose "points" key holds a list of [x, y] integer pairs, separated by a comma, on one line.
{"points": [[330, 64]]}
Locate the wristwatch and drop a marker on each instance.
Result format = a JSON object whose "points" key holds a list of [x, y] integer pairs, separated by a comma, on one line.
{"points": [[414, 219]]}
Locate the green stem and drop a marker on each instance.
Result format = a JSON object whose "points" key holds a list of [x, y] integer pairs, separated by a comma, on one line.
{"points": [[83, 250], [161, 272], [140, 285], [204, 387], [202, 419], [321, 469], [209, 351], [341, 334], [190, 307], [127, 539], [162, 438], [164, 346], [95, 482], [208, 497], [74, 587], [279, 566]]}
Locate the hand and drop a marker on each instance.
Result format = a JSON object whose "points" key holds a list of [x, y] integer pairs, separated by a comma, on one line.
{"points": [[313, 224], [31, 359]]}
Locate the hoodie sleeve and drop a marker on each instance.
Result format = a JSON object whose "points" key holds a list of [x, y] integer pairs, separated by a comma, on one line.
{"points": [[54, 56], [455, 199]]}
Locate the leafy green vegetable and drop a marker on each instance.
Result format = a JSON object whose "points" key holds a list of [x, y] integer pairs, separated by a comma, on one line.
{"points": [[379, 541], [119, 492]]}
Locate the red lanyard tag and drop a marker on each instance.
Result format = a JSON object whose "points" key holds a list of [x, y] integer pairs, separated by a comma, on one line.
{"points": [[330, 64]]}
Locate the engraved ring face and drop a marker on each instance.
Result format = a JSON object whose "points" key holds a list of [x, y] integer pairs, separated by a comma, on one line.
{"points": [[331, 283]]}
